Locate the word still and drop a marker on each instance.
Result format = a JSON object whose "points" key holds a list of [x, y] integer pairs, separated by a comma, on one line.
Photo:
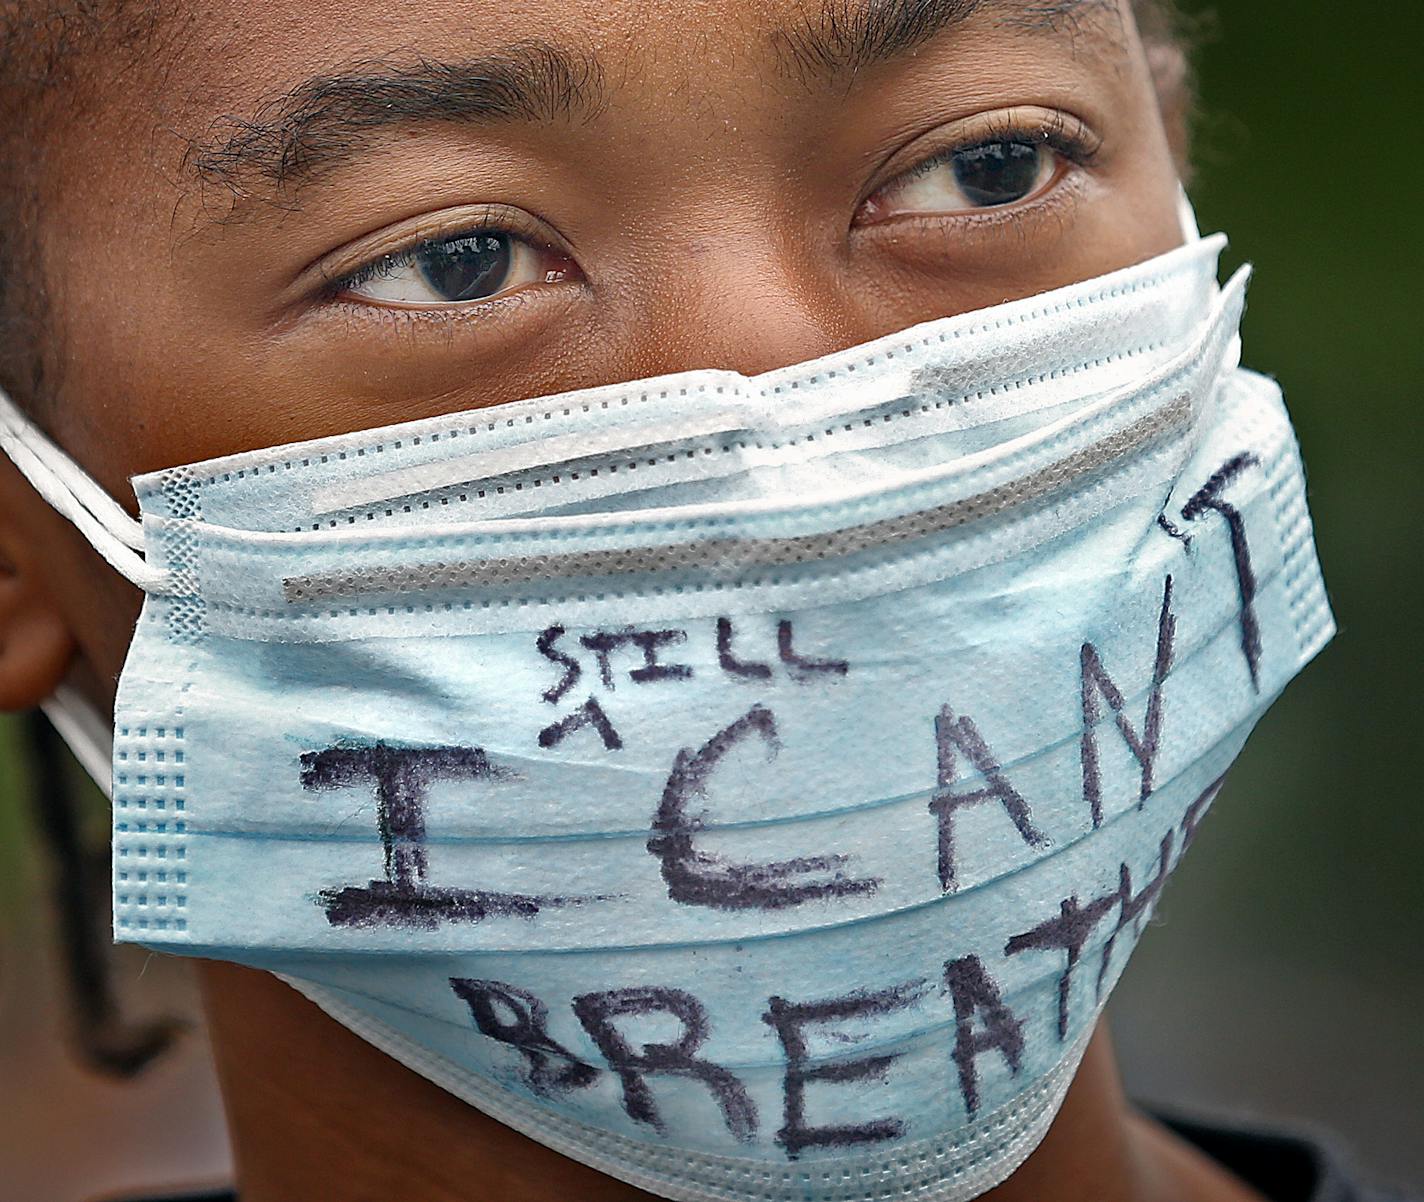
{"points": [[603, 659]]}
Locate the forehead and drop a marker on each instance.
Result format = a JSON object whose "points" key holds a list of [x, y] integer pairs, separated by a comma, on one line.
{"points": [[285, 30], [289, 87], [251, 51]]}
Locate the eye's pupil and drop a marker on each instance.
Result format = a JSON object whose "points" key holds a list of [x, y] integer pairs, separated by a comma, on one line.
{"points": [[998, 173], [467, 268]]}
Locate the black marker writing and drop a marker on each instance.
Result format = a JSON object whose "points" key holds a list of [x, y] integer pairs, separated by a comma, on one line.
{"points": [[789, 1019], [1068, 932], [598, 1012], [653, 646], [590, 713], [572, 671], [700, 878], [1209, 498], [728, 661], [1192, 818], [401, 778], [1096, 684], [1172, 530], [960, 735], [649, 642], [1133, 905], [973, 991], [516, 1017], [800, 668], [383, 904], [603, 643]]}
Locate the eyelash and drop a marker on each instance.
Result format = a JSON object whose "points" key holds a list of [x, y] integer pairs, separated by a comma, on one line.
{"points": [[485, 219], [388, 264], [1059, 133]]}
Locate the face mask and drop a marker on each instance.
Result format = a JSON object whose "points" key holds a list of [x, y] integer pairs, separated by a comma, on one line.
{"points": [[750, 787]]}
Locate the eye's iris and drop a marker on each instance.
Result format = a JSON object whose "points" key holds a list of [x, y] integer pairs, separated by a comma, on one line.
{"points": [[998, 173], [468, 268]]}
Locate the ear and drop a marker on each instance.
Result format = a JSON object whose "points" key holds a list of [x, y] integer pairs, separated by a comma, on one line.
{"points": [[36, 645]]}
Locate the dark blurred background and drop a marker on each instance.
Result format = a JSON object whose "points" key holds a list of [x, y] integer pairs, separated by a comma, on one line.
{"points": [[1285, 976], [1286, 973]]}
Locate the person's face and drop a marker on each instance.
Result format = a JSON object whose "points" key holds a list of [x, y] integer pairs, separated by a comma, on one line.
{"points": [[310, 218]]}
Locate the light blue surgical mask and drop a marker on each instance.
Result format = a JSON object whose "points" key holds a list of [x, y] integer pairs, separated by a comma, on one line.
{"points": [[751, 787]]}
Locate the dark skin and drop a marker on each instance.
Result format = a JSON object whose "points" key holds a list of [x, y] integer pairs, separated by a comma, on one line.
{"points": [[731, 191]]}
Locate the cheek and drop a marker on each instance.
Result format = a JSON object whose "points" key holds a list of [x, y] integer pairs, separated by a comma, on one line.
{"points": [[1096, 224], [102, 609], [109, 625]]}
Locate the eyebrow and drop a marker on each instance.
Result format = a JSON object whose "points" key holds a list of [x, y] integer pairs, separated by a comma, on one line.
{"points": [[845, 37], [329, 119]]}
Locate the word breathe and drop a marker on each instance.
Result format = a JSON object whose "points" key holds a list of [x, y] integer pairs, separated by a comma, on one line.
{"points": [[519, 1019]]}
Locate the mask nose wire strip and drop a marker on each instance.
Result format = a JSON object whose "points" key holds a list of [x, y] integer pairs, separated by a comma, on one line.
{"points": [[728, 556], [75, 495], [541, 453]]}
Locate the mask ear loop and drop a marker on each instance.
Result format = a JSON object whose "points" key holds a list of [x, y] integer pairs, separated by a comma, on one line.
{"points": [[89, 737], [73, 493]]}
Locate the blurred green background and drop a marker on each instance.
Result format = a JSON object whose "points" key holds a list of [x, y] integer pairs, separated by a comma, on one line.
{"points": [[1285, 976]]}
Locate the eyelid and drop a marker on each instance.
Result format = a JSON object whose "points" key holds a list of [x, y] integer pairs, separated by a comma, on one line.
{"points": [[328, 275], [1061, 131]]}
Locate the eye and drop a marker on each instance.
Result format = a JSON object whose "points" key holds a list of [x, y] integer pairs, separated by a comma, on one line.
{"points": [[989, 161], [999, 173], [473, 266], [986, 175]]}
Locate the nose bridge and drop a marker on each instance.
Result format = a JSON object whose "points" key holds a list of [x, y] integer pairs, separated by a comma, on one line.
{"points": [[732, 257], [741, 297]]}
